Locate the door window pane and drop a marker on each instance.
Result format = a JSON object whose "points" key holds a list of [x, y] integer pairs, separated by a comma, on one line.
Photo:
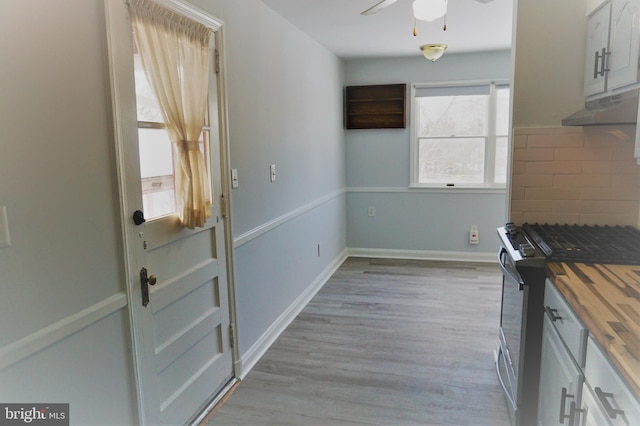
{"points": [[156, 151]]}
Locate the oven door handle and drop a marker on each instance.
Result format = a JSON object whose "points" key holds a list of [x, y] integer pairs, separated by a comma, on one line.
{"points": [[504, 386], [507, 273]]}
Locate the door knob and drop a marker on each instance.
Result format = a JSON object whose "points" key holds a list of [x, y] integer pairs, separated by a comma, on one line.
{"points": [[138, 217], [152, 280]]}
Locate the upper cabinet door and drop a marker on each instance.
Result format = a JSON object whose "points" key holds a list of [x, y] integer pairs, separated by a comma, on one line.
{"points": [[597, 44], [624, 43]]}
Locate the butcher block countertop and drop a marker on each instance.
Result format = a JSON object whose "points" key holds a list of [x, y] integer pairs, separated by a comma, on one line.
{"points": [[607, 300]]}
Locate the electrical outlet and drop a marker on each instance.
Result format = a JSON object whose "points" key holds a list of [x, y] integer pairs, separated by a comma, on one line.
{"points": [[474, 238], [372, 211], [5, 239]]}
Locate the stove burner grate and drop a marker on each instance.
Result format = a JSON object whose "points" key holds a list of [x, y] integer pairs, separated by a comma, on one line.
{"points": [[587, 244]]}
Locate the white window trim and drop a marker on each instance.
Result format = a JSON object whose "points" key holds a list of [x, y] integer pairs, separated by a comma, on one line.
{"points": [[491, 144]]}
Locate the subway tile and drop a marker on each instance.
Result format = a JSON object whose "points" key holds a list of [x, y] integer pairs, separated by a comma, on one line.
{"points": [[519, 141], [611, 167], [552, 193], [609, 219], [629, 180], [566, 206], [531, 206], [560, 218], [534, 154], [517, 193], [518, 167], [517, 218], [582, 154], [523, 180], [554, 167], [608, 207], [612, 193], [582, 180], [556, 141]]}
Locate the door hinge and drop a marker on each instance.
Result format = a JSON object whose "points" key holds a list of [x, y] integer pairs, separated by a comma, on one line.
{"points": [[232, 340], [217, 61], [223, 206]]}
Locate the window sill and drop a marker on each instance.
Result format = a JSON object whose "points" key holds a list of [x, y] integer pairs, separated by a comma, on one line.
{"points": [[458, 189]]}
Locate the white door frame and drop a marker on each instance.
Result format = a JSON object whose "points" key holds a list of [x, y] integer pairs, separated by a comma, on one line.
{"points": [[120, 62]]}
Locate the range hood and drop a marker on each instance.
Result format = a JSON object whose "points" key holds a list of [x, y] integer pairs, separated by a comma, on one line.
{"points": [[616, 109]]}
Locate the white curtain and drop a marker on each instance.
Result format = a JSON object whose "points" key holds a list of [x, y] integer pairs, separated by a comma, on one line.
{"points": [[175, 57]]}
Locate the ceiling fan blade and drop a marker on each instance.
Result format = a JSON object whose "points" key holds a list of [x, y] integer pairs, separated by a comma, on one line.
{"points": [[378, 6]]}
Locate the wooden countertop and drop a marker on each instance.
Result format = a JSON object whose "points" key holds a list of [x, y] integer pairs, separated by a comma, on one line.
{"points": [[607, 300]]}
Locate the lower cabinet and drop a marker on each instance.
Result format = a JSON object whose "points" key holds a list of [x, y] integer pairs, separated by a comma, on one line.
{"points": [[560, 381], [606, 398], [578, 384]]}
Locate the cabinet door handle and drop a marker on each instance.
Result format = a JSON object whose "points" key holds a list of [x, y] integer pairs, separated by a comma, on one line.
{"points": [[604, 400], [604, 65], [595, 65], [552, 314], [572, 413], [563, 406]]}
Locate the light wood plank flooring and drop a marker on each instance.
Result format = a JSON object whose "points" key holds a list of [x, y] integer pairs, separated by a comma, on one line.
{"points": [[385, 342]]}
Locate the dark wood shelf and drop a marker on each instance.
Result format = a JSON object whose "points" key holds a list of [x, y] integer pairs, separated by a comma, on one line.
{"points": [[376, 107]]}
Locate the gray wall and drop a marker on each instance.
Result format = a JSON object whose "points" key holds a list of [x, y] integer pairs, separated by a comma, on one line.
{"points": [[430, 223], [63, 316], [285, 108], [63, 311]]}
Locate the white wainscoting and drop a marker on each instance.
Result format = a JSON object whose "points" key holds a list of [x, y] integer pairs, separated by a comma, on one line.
{"points": [[258, 349], [41, 339]]}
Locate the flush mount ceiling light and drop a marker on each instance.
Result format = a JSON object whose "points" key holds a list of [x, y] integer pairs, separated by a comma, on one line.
{"points": [[433, 51]]}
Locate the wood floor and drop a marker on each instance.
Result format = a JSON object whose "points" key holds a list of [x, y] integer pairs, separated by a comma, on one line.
{"points": [[385, 342]]}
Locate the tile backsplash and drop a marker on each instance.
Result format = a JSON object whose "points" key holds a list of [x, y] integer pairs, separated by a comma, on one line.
{"points": [[575, 175]]}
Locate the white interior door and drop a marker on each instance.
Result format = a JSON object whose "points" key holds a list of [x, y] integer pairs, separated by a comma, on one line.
{"points": [[181, 333]]}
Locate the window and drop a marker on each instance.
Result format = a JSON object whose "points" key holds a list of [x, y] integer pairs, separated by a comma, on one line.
{"points": [[157, 153], [460, 135]]}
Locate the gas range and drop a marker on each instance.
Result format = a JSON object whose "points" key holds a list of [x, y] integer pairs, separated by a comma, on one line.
{"points": [[535, 244]]}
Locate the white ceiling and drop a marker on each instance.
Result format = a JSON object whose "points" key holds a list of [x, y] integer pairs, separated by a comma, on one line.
{"points": [[337, 24]]}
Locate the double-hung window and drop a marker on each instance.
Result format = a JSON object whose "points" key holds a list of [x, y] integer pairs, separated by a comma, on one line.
{"points": [[460, 135]]}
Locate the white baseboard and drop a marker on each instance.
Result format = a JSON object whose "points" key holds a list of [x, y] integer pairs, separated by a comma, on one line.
{"points": [[459, 256], [258, 349]]}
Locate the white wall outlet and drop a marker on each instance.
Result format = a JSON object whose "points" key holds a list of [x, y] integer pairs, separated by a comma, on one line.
{"points": [[372, 211], [234, 178], [5, 239], [272, 171], [474, 238]]}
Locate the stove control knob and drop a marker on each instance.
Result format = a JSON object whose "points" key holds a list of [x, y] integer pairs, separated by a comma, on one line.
{"points": [[527, 250]]}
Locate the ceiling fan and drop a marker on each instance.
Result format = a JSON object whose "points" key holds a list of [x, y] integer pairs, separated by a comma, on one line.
{"points": [[425, 10], [382, 4]]}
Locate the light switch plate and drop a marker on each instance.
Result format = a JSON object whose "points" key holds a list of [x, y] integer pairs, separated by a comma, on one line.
{"points": [[5, 239], [234, 178], [272, 170]]}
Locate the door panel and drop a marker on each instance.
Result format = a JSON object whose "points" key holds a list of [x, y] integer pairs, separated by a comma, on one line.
{"points": [[181, 338]]}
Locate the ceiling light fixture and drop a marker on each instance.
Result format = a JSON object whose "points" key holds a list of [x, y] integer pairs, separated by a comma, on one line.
{"points": [[433, 51]]}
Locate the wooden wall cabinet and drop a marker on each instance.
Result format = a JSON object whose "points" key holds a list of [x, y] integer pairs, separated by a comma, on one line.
{"points": [[376, 107]]}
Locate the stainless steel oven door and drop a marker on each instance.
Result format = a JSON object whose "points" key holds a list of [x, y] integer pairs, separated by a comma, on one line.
{"points": [[511, 317]]}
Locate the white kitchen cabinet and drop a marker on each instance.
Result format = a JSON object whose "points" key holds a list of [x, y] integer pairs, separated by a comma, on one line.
{"points": [[613, 45], [592, 413], [560, 381], [610, 397]]}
